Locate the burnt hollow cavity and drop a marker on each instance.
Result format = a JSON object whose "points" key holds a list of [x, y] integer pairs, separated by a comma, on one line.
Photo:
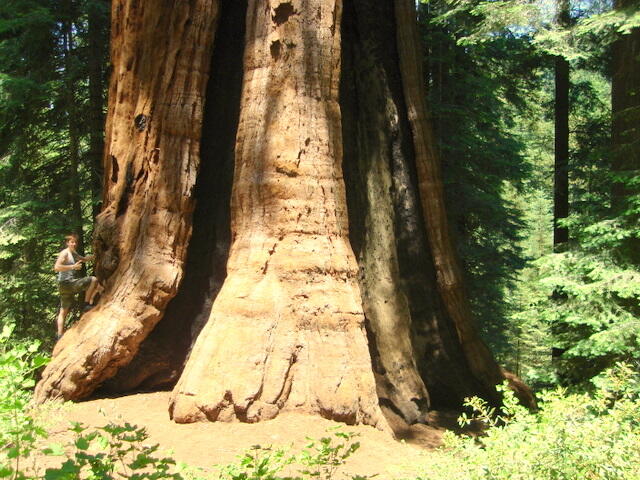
{"points": [[282, 13], [161, 357]]}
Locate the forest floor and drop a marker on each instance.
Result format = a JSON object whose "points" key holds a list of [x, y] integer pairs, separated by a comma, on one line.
{"points": [[205, 445]]}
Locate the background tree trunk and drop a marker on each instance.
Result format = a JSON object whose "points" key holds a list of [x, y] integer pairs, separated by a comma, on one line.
{"points": [[625, 104], [72, 184], [561, 151], [160, 55], [97, 13]]}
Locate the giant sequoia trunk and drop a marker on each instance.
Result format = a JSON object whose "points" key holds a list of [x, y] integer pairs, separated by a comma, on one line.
{"points": [[262, 304]]}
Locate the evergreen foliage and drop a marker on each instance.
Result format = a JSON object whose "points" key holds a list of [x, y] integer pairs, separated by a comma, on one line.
{"points": [[44, 92], [476, 94], [572, 436]]}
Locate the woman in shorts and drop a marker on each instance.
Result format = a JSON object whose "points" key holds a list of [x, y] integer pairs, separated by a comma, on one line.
{"points": [[70, 280]]}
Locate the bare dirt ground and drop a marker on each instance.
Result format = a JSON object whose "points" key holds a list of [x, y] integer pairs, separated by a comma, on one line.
{"points": [[205, 445]]}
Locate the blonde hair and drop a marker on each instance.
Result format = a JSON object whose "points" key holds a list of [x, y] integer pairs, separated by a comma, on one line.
{"points": [[71, 236]]}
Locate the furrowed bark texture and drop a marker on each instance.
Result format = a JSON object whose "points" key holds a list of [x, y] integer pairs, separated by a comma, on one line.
{"points": [[372, 139], [286, 331], [161, 357], [449, 278], [160, 55]]}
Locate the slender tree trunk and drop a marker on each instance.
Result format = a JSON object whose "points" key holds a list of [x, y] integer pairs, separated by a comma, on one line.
{"points": [[73, 178], [561, 159], [160, 55], [561, 155], [72, 184]]}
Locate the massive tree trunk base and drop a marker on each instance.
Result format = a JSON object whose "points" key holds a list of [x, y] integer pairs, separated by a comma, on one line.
{"points": [[297, 357], [294, 321], [286, 331]]}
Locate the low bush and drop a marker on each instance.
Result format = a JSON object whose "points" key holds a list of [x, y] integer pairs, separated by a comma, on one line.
{"points": [[19, 431], [573, 436]]}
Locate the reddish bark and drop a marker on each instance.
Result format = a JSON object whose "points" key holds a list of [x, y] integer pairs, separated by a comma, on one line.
{"points": [[287, 328], [160, 56]]}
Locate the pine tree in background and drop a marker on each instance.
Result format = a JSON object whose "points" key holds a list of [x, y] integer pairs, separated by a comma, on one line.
{"points": [[45, 170], [596, 284], [594, 309], [476, 92]]}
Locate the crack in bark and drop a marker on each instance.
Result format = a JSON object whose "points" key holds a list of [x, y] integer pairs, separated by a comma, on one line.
{"points": [[266, 263]]}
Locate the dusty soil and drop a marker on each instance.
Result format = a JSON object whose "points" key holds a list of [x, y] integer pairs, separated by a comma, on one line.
{"points": [[205, 445]]}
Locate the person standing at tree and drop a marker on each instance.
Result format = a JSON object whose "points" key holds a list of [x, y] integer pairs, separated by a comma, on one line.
{"points": [[70, 280]]}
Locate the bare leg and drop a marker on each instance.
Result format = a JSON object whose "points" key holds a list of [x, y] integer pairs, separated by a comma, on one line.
{"points": [[97, 290], [62, 315], [91, 291]]}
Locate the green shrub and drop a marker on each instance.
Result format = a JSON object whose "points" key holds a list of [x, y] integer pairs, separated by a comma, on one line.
{"points": [[112, 451], [572, 436], [320, 459], [19, 431]]}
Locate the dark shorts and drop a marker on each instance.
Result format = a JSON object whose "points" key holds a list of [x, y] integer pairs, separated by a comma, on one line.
{"points": [[70, 288]]}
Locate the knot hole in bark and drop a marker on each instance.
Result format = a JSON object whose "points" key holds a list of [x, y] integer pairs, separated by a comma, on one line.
{"points": [[282, 13], [140, 122], [123, 202], [275, 48]]}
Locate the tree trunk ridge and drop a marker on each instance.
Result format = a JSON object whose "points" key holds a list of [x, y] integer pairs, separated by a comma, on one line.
{"points": [[152, 153], [160, 360], [372, 138], [485, 370]]}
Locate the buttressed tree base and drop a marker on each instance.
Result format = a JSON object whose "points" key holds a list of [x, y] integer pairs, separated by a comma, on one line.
{"points": [[273, 234]]}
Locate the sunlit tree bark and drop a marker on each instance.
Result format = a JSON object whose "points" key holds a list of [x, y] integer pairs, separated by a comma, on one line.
{"points": [[275, 312], [160, 55]]}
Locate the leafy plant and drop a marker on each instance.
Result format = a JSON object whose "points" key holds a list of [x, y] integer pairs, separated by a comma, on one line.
{"points": [[259, 463], [321, 458], [112, 451], [19, 431], [572, 437]]}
